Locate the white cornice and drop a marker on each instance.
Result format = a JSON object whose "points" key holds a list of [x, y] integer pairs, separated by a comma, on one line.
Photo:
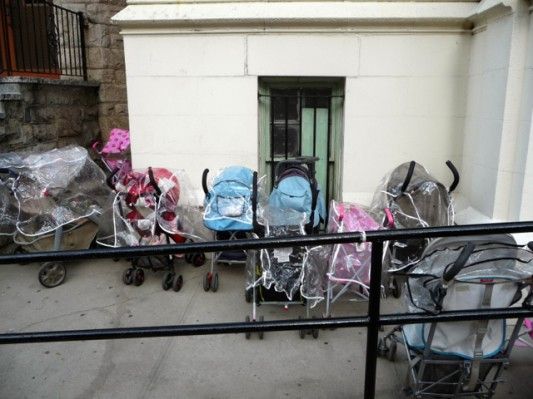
{"points": [[266, 15]]}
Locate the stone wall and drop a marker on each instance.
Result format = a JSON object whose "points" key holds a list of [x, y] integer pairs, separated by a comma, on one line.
{"points": [[40, 114], [105, 59]]}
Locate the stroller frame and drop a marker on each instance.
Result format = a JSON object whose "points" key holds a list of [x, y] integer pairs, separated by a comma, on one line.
{"points": [[465, 376]]}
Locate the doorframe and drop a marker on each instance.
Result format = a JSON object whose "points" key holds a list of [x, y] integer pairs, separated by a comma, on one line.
{"points": [[337, 85]]}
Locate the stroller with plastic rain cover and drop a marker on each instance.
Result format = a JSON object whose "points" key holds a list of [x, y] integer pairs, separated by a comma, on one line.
{"points": [[285, 276], [230, 212], [349, 264], [296, 188], [462, 359], [409, 197], [56, 198], [146, 212]]}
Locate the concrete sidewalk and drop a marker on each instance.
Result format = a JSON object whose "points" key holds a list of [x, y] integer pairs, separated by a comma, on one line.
{"points": [[219, 366]]}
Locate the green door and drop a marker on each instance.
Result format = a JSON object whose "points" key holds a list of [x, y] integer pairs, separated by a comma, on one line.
{"points": [[302, 121]]}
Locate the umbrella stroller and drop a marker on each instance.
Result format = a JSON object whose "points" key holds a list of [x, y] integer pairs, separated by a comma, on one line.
{"points": [[295, 187], [349, 264], [56, 198], [145, 213], [409, 197], [458, 359], [230, 212], [285, 276]]}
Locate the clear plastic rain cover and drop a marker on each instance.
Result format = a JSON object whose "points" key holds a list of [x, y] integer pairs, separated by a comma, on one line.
{"points": [[51, 189], [495, 258], [424, 202], [491, 278], [228, 203], [148, 204], [294, 268], [350, 263]]}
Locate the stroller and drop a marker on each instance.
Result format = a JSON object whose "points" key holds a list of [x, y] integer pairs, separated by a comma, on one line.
{"points": [[295, 187], [230, 212], [145, 213], [349, 264], [285, 276], [114, 155], [458, 359], [55, 200], [409, 197]]}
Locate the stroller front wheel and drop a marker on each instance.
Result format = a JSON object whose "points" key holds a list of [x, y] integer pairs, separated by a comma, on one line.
{"points": [[167, 280], [52, 274]]}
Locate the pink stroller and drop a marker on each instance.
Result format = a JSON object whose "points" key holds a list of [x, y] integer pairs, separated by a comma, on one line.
{"points": [[114, 155], [349, 266]]}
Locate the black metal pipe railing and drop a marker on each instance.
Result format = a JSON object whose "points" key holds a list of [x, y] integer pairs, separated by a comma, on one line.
{"points": [[41, 39], [372, 321]]}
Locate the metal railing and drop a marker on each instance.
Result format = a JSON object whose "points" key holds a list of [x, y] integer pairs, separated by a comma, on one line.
{"points": [[372, 321], [41, 39]]}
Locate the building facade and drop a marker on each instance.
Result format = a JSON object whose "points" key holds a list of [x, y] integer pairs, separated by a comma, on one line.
{"points": [[362, 85]]}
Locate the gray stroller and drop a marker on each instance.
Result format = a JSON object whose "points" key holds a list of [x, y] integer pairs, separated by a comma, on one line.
{"points": [[462, 359]]}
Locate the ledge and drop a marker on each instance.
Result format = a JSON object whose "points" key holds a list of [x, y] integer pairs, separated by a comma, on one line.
{"points": [[57, 82], [264, 15]]}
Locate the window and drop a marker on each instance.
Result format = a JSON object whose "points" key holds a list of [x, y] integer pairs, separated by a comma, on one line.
{"points": [[302, 117]]}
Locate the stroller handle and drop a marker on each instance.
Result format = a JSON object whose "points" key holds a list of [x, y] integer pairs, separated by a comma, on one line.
{"points": [[153, 181], [456, 177], [408, 176], [308, 161], [204, 181], [459, 263]]}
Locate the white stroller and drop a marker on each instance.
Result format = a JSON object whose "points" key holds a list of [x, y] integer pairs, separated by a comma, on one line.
{"points": [[461, 359]]}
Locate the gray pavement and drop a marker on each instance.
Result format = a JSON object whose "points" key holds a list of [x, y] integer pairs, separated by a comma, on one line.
{"points": [[219, 366]]}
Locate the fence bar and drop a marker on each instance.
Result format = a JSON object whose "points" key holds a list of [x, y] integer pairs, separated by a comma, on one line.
{"points": [[373, 319], [81, 27], [218, 246], [240, 327]]}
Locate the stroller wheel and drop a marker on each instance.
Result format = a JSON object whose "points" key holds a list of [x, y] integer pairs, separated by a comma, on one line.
{"points": [[247, 334], [198, 259], [177, 282], [188, 257], [207, 281], [214, 283], [127, 276], [391, 352], [167, 280], [51, 274], [301, 333], [248, 295], [395, 289], [261, 333], [138, 277]]}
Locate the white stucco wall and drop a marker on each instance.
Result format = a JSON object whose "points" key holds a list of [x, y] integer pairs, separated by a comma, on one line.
{"points": [[193, 98], [420, 84]]}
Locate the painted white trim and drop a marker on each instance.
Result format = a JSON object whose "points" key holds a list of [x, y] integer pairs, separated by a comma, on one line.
{"points": [[264, 15]]}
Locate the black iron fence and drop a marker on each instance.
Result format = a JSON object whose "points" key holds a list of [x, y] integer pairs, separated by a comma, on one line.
{"points": [[372, 321], [41, 39]]}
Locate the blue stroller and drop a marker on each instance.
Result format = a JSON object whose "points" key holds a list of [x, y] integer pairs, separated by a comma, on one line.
{"points": [[230, 212], [295, 275], [296, 188]]}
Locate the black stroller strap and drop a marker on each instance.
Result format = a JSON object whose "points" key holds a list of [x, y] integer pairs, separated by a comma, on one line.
{"points": [[408, 176]]}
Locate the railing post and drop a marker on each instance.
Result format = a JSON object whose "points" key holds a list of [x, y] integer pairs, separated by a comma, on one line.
{"points": [[5, 46], [81, 23], [373, 316]]}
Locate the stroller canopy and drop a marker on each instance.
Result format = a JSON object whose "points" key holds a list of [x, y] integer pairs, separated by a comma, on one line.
{"points": [[293, 191], [491, 277], [55, 188], [228, 203], [414, 198]]}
